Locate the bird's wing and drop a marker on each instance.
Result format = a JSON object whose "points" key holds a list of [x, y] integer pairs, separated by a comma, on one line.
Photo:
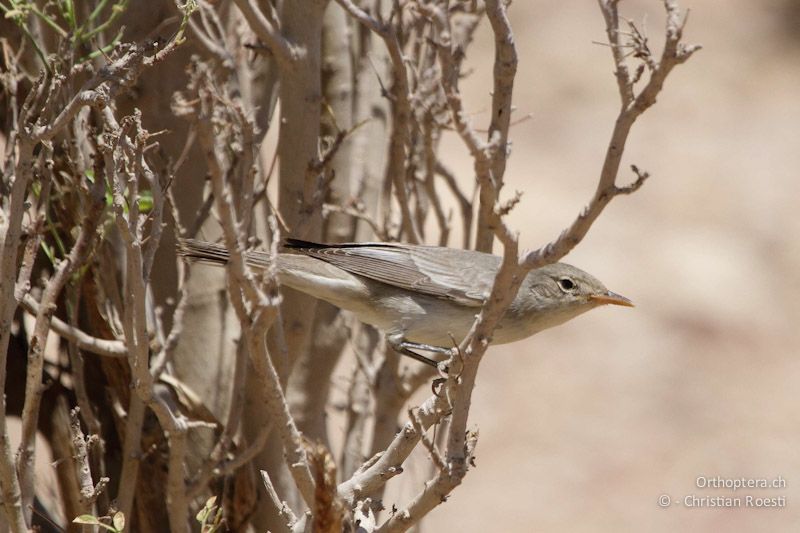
{"points": [[440, 272]]}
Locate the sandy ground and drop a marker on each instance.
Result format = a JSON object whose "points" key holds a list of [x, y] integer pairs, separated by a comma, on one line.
{"points": [[585, 427]]}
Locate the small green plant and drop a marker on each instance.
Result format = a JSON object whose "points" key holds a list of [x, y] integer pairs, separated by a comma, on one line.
{"points": [[61, 17], [117, 521], [210, 516]]}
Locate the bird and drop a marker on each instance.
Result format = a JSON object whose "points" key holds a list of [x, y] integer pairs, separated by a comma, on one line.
{"points": [[422, 297]]}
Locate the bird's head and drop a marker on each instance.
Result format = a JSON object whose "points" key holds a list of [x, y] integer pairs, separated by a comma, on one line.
{"points": [[555, 293]]}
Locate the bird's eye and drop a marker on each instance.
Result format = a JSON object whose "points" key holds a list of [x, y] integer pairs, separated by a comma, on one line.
{"points": [[566, 284]]}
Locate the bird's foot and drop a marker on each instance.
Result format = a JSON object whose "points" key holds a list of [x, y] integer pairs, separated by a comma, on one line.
{"points": [[436, 386]]}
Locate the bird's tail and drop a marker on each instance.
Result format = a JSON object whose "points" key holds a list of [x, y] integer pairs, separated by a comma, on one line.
{"points": [[203, 252], [298, 271], [216, 254]]}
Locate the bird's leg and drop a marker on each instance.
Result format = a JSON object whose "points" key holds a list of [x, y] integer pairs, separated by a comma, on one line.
{"points": [[414, 355], [404, 347], [427, 347], [441, 366]]}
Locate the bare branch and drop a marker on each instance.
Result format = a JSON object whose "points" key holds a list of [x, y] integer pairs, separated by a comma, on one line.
{"points": [[255, 304], [435, 455], [399, 142], [265, 28], [359, 212], [33, 385], [89, 491], [675, 53], [84, 341], [279, 504], [388, 464], [505, 69], [464, 203]]}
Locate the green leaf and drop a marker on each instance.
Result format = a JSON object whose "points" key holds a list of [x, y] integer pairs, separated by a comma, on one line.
{"points": [[205, 512], [87, 519], [14, 14], [48, 251], [145, 201], [119, 521]]}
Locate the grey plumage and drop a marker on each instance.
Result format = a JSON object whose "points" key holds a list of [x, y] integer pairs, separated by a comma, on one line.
{"points": [[422, 294]]}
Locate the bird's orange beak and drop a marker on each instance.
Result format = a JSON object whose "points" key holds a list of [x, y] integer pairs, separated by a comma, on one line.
{"points": [[611, 298]]}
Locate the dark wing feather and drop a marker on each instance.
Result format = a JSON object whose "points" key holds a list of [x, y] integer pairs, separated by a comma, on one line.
{"points": [[439, 272]]}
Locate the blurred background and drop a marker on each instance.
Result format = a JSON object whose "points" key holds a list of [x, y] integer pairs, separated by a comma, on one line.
{"points": [[584, 427]]}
